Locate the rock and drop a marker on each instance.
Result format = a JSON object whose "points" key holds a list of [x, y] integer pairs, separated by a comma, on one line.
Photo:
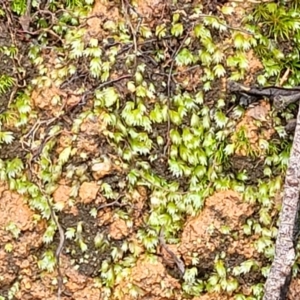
{"points": [[101, 169], [118, 229], [88, 192]]}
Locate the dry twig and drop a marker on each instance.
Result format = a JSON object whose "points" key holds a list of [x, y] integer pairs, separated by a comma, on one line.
{"points": [[279, 278], [169, 91], [178, 261], [60, 246]]}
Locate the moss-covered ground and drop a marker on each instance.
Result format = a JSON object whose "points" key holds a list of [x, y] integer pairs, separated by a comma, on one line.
{"points": [[127, 168]]}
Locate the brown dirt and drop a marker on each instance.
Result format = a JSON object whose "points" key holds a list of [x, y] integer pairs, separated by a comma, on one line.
{"points": [[90, 126], [254, 131], [151, 278], [254, 67], [118, 229], [13, 209], [62, 194], [202, 234], [40, 287], [45, 99], [52, 100], [102, 168], [103, 13], [88, 192], [257, 127]]}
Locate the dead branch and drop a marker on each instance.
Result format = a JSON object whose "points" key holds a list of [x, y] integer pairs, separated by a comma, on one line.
{"points": [[177, 260], [60, 247], [279, 278], [280, 97], [166, 148]]}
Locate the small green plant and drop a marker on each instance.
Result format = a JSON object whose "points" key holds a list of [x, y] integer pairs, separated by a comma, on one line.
{"points": [[220, 280], [13, 290], [6, 82], [19, 6], [13, 229], [277, 20], [48, 261]]}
